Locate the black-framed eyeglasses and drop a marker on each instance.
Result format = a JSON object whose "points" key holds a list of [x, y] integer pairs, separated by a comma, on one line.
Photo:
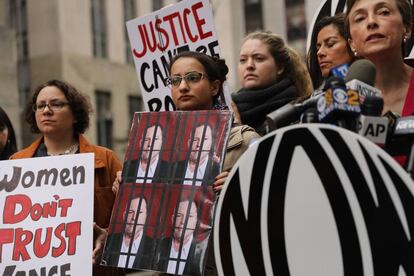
{"points": [[190, 78], [54, 106]]}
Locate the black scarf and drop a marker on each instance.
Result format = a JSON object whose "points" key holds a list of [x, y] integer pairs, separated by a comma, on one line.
{"points": [[254, 105]]}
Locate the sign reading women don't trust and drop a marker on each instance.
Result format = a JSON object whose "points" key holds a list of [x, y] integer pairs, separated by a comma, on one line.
{"points": [[158, 36], [46, 214]]}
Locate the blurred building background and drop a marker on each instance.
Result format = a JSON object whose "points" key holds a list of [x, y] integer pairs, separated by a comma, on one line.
{"points": [[84, 42]]}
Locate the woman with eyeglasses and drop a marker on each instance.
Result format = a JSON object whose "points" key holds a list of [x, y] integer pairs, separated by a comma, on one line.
{"points": [[8, 144], [61, 115], [196, 82]]}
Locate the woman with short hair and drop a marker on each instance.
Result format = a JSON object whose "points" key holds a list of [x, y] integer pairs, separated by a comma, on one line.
{"points": [[61, 115]]}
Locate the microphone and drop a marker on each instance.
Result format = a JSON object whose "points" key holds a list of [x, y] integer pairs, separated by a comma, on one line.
{"points": [[363, 70], [404, 140], [402, 136], [392, 121], [361, 78], [310, 115], [370, 124], [288, 114], [340, 71], [338, 105]]}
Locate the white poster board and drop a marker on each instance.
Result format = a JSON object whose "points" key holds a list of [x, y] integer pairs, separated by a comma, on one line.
{"points": [[155, 38], [46, 215]]}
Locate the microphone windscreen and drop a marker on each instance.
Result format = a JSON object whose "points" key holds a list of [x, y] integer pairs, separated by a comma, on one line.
{"points": [[363, 70], [333, 82], [372, 106]]}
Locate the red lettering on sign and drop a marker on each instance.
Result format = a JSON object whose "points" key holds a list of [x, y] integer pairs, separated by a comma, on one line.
{"points": [[153, 36]]}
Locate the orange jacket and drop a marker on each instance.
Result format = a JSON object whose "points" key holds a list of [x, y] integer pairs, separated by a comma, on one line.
{"points": [[106, 166]]}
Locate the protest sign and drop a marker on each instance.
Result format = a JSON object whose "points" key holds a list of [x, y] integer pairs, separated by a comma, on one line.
{"points": [[162, 216], [46, 214], [315, 199], [155, 38]]}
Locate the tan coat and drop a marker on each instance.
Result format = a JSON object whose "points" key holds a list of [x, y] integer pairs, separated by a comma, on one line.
{"points": [[239, 140]]}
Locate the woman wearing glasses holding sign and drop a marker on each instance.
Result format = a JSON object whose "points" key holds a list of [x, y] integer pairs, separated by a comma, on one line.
{"points": [[61, 115], [196, 82]]}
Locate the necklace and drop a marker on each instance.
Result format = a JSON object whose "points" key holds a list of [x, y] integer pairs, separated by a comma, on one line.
{"points": [[71, 150]]}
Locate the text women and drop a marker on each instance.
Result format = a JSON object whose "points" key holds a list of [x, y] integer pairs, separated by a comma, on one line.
{"points": [[51, 176]]}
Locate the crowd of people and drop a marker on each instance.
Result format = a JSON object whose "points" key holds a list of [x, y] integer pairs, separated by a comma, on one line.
{"points": [[271, 75]]}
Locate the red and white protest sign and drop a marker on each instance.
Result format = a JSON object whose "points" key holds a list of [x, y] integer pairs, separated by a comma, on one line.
{"points": [[155, 38], [46, 215]]}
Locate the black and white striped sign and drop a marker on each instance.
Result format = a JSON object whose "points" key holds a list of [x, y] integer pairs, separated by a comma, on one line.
{"points": [[315, 200]]}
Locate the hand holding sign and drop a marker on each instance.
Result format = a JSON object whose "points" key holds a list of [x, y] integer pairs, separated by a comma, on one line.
{"points": [[100, 237]]}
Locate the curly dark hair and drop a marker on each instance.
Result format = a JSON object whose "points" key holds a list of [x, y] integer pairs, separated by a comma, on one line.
{"points": [[215, 67], [79, 105], [338, 21]]}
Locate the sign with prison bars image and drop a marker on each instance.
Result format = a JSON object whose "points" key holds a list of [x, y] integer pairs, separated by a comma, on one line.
{"points": [[163, 213]]}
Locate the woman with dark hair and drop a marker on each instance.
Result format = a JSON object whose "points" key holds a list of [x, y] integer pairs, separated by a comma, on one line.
{"points": [[196, 82], [329, 48], [8, 144], [216, 71], [61, 115], [271, 75]]}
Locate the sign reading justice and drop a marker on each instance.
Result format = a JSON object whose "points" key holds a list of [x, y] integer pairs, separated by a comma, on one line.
{"points": [[157, 37]]}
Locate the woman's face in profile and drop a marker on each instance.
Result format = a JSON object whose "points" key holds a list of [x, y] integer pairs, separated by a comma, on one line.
{"points": [[257, 68], [332, 49]]}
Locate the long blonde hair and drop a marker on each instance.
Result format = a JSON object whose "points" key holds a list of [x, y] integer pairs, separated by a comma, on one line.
{"points": [[287, 58]]}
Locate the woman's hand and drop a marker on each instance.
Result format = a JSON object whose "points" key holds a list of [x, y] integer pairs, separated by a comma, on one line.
{"points": [[219, 181], [117, 181], [100, 234]]}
